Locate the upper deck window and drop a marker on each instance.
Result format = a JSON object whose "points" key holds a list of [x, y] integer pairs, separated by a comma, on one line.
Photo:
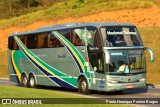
{"points": [[121, 36]]}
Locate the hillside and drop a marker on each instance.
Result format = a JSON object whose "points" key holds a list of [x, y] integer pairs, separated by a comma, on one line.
{"points": [[140, 17], [145, 14], [15, 8], [78, 8]]}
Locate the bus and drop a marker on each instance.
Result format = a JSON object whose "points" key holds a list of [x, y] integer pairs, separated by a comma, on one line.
{"points": [[102, 56]]}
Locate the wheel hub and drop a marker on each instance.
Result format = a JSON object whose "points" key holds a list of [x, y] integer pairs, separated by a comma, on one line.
{"points": [[84, 85], [25, 80], [32, 81]]}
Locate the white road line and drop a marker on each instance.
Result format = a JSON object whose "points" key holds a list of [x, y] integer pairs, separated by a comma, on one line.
{"points": [[4, 78], [4, 81]]}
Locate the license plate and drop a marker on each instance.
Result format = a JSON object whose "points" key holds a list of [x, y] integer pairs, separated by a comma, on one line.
{"points": [[129, 86]]}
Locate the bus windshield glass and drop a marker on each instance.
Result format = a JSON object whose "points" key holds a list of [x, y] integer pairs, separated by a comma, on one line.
{"points": [[121, 36], [126, 61]]}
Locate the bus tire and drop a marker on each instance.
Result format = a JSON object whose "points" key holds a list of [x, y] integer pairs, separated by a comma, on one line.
{"points": [[32, 81], [24, 80], [83, 86]]}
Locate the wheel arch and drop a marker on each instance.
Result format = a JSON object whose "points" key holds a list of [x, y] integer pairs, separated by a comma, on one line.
{"points": [[82, 75]]}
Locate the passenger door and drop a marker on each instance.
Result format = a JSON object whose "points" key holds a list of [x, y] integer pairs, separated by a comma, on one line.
{"points": [[96, 59]]}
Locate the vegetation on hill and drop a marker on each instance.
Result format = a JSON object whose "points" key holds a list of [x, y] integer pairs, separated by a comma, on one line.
{"points": [[150, 37], [3, 64], [75, 8], [15, 8]]}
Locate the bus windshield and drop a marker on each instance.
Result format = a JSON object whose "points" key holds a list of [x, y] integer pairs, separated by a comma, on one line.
{"points": [[126, 61], [121, 36]]}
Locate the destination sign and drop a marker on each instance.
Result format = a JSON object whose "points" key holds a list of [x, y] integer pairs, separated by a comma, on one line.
{"points": [[121, 33]]}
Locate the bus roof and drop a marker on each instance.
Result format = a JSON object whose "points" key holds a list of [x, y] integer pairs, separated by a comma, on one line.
{"points": [[71, 25]]}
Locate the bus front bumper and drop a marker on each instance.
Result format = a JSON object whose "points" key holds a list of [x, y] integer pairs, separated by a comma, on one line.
{"points": [[125, 86]]}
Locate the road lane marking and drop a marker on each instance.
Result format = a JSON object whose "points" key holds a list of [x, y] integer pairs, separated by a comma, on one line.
{"points": [[4, 78], [156, 94], [4, 81]]}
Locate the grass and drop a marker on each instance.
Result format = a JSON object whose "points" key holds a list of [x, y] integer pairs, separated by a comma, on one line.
{"points": [[3, 64], [156, 2], [151, 37], [21, 92], [74, 8]]}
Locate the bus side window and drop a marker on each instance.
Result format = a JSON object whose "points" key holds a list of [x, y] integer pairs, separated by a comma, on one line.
{"points": [[23, 39], [53, 41], [74, 38], [76, 41], [31, 41], [79, 42], [12, 44], [66, 34], [97, 41], [42, 40]]}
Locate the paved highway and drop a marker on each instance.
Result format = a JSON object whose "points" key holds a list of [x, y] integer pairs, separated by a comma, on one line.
{"points": [[153, 92]]}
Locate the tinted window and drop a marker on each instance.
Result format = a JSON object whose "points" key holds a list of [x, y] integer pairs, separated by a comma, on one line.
{"points": [[72, 37], [31, 41], [53, 41], [97, 40], [12, 44], [76, 40], [43, 40], [121, 36], [23, 39]]}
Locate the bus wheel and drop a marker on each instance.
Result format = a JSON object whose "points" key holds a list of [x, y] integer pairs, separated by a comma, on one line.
{"points": [[32, 82], [83, 86], [24, 80]]}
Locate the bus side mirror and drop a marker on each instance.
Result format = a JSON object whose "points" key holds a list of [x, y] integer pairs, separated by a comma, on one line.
{"points": [[151, 54]]}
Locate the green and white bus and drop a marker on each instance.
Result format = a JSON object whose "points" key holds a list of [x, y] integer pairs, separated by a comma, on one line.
{"points": [[105, 56]]}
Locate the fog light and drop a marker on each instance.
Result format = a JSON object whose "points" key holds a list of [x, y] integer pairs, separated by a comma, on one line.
{"points": [[142, 79], [112, 81]]}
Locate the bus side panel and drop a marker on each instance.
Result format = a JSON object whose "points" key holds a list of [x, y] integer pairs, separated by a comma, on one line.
{"points": [[61, 60], [29, 67], [12, 73], [83, 51]]}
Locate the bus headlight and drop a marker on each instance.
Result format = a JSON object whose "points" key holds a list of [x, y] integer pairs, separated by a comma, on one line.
{"points": [[142, 79], [113, 81]]}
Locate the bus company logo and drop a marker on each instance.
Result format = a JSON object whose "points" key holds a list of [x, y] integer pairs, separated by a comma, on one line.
{"points": [[61, 54], [6, 101]]}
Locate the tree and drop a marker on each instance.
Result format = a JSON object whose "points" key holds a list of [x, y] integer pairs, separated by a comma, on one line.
{"points": [[30, 3], [9, 4]]}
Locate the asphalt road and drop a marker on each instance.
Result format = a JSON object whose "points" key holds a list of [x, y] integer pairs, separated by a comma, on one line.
{"points": [[153, 92]]}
